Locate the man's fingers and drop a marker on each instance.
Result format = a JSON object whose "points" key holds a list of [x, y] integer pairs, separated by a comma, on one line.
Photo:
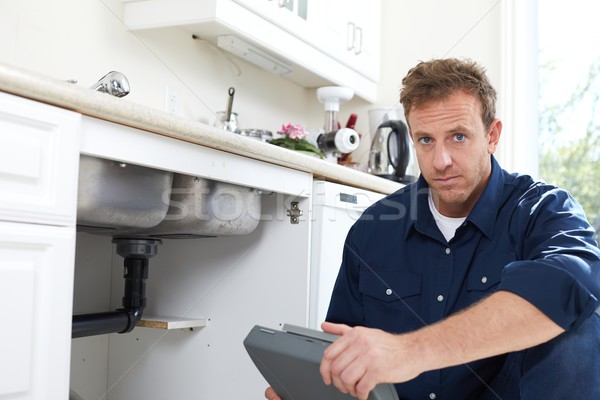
{"points": [[336, 329], [271, 395]]}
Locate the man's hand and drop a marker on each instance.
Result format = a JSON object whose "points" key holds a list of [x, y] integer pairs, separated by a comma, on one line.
{"points": [[362, 358], [499, 324], [271, 395]]}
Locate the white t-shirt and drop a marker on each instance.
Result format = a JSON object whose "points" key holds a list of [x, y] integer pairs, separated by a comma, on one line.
{"points": [[446, 225]]}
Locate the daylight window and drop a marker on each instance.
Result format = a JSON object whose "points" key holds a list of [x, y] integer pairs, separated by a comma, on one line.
{"points": [[569, 99]]}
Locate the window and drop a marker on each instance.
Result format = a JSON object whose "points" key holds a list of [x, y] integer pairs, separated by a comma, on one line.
{"points": [[569, 99]]}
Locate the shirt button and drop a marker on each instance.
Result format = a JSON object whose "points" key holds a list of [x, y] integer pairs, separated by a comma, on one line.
{"points": [[432, 396], [440, 298], [388, 292], [484, 279], [448, 250]]}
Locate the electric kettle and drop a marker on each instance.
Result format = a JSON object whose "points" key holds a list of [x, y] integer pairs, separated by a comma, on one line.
{"points": [[390, 151]]}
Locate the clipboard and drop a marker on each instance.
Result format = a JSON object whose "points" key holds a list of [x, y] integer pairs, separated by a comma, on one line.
{"points": [[289, 360]]}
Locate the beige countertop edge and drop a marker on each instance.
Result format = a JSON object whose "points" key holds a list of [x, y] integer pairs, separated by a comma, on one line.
{"points": [[100, 105]]}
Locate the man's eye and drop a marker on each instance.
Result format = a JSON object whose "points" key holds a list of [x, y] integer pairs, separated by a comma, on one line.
{"points": [[459, 137], [425, 140]]}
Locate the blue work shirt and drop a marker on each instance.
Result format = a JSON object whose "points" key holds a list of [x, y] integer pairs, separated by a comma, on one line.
{"points": [[400, 274]]}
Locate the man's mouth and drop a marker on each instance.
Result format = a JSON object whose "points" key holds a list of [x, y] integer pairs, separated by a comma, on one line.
{"points": [[446, 181]]}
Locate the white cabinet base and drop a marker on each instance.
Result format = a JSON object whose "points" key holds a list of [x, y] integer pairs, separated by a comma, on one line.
{"points": [[36, 290]]}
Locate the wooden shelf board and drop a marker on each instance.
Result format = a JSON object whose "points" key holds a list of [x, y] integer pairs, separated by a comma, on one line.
{"points": [[160, 322]]}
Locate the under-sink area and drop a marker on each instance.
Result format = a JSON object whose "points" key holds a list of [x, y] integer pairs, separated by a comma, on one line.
{"points": [[122, 199], [202, 294]]}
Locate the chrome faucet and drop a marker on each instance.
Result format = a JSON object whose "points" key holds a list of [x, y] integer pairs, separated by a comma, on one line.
{"points": [[113, 83]]}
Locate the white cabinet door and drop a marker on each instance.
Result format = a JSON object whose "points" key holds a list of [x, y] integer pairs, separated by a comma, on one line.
{"points": [[39, 156], [36, 289], [351, 31], [348, 30], [293, 17], [288, 14]]}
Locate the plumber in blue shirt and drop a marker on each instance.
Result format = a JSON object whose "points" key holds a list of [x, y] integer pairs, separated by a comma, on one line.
{"points": [[472, 283]]}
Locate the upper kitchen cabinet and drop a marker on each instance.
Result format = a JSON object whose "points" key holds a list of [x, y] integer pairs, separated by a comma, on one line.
{"points": [[312, 43], [351, 32]]}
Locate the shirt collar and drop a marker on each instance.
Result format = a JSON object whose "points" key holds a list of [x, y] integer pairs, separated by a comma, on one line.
{"points": [[483, 214], [422, 219]]}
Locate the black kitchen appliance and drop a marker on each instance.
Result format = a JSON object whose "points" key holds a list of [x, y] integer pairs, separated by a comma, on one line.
{"points": [[390, 152]]}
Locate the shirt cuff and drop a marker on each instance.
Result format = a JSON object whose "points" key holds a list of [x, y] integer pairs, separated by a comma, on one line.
{"points": [[552, 290]]}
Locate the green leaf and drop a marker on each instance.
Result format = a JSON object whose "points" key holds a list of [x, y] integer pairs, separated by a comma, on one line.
{"points": [[298, 145]]}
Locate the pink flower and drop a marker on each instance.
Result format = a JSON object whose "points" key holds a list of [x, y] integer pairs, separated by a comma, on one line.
{"points": [[295, 131]]}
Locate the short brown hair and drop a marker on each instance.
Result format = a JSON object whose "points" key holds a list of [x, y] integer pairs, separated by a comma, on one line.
{"points": [[438, 79]]}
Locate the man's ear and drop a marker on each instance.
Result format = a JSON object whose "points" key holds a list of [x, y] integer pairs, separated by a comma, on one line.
{"points": [[494, 135]]}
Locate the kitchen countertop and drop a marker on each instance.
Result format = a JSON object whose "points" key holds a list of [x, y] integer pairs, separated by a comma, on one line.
{"points": [[121, 111]]}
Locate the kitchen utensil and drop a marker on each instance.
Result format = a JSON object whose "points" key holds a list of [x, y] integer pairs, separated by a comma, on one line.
{"points": [[258, 134], [228, 119], [229, 124], [390, 151], [229, 108]]}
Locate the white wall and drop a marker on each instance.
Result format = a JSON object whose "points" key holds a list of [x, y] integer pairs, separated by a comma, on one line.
{"points": [[414, 31], [84, 39]]}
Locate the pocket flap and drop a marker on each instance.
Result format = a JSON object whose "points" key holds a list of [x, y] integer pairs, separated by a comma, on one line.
{"points": [[389, 285], [488, 271]]}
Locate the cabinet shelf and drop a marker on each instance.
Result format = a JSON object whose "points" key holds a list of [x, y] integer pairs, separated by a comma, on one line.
{"points": [[169, 323]]}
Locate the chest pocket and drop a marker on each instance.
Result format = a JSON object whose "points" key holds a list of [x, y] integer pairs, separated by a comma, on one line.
{"points": [[391, 299], [486, 273]]}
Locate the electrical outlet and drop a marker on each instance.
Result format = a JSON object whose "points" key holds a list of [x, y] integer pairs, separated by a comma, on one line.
{"points": [[171, 100]]}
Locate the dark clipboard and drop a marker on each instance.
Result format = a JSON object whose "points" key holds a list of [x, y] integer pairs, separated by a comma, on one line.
{"points": [[289, 361]]}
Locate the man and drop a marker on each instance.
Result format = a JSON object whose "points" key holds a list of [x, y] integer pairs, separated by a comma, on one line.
{"points": [[472, 283]]}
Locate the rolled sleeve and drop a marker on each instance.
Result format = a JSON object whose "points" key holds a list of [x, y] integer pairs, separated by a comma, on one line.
{"points": [[558, 269], [552, 289]]}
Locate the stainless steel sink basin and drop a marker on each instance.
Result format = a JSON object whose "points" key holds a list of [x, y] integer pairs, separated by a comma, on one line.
{"points": [[114, 196], [129, 200], [203, 207]]}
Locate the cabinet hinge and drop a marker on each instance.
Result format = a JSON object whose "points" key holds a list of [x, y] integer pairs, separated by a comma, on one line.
{"points": [[294, 213]]}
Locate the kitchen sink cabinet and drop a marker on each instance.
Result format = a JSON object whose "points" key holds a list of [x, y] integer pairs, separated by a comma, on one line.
{"points": [[51, 268], [314, 43], [231, 282], [48, 270], [39, 149]]}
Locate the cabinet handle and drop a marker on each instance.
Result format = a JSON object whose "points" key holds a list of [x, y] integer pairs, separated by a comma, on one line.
{"points": [[359, 36], [350, 36]]}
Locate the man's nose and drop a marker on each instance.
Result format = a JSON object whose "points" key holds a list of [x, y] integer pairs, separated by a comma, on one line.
{"points": [[441, 158]]}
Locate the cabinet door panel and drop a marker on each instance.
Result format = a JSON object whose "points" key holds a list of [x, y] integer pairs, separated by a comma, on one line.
{"points": [[16, 289], [36, 292], [350, 32], [38, 162]]}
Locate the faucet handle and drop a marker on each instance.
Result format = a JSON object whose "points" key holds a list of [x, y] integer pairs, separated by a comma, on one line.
{"points": [[113, 83]]}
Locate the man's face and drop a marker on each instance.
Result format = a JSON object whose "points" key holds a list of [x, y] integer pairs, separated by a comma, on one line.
{"points": [[453, 150]]}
